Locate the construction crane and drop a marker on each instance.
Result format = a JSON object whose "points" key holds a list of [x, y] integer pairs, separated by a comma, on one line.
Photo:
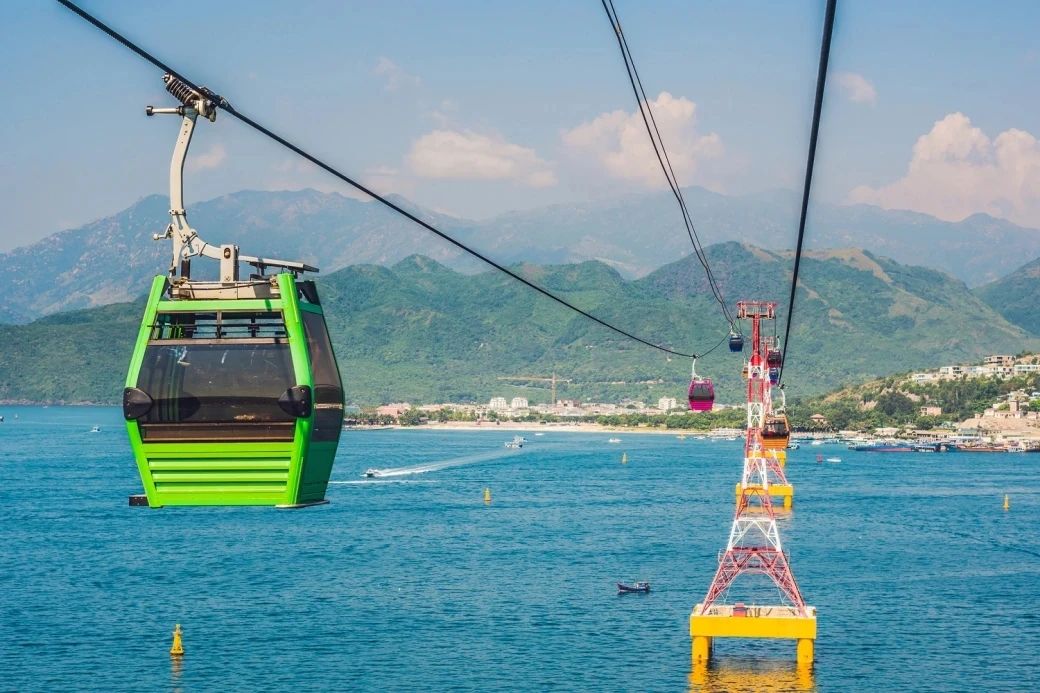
{"points": [[540, 379]]}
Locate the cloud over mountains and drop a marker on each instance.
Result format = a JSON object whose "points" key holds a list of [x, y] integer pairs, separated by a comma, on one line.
{"points": [[957, 170]]}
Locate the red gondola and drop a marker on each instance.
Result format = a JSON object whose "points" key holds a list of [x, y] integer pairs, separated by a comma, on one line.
{"points": [[702, 392], [774, 358]]}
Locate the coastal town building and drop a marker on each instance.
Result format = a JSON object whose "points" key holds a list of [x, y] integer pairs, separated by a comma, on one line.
{"points": [[498, 404], [518, 403], [931, 411], [666, 403], [395, 409]]}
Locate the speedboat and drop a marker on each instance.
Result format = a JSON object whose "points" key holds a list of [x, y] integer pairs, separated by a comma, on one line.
{"points": [[516, 442], [371, 473], [834, 459], [793, 446], [622, 588], [95, 429]]}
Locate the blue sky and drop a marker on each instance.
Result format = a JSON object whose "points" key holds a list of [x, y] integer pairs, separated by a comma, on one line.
{"points": [[477, 108]]}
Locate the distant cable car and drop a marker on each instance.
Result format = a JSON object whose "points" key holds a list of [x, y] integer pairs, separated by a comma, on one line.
{"points": [[736, 342], [774, 375], [746, 371], [776, 432], [774, 358], [702, 391]]}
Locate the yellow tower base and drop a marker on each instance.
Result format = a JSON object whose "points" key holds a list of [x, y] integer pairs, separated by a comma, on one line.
{"points": [[753, 622], [784, 491]]}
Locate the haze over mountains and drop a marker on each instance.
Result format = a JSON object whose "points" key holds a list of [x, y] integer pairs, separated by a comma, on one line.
{"points": [[112, 259], [422, 332]]}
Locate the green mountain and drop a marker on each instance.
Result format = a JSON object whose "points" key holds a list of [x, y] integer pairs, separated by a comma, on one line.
{"points": [[108, 260], [1015, 296], [422, 332]]}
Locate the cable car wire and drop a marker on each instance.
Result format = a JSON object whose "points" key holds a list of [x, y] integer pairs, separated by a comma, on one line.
{"points": [[224, 105], [821, 84], [662, 154]]}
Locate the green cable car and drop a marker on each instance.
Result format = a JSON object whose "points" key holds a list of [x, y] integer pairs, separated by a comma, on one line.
{"points": [[233, 396]]}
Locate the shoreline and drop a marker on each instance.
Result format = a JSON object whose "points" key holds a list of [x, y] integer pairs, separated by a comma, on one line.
{"points": [[536, 427]]}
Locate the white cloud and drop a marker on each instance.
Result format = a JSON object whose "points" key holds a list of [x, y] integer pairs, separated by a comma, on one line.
{"points": [[394, 76], [857, 87], [211, 158], [956, 170], [619, 143], [472, 156]]}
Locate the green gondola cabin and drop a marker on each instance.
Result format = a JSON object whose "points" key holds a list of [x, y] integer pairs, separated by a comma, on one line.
{"points": [[233, 396]]}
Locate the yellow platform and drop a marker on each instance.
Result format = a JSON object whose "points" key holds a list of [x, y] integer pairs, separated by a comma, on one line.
{"points": [[759, 622], [785, 491]]}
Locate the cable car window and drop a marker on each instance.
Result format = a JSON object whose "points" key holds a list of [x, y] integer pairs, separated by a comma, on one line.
{"points": [[328, 389], [219, 325], [216, 390]]}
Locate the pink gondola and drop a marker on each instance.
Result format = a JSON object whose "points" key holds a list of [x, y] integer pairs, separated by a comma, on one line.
{"points": [[702, 392]]}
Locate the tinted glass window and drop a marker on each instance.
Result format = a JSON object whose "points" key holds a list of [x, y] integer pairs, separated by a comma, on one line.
{"points": [[222, 388], [328, 390]]}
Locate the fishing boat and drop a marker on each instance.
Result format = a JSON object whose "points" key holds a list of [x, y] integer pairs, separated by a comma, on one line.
{"points": [[622, 588]]}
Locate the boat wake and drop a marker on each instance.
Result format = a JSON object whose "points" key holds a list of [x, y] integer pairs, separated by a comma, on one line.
{"points": [[444, 464]]}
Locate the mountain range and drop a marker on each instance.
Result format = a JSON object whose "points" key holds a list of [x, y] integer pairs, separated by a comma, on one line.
{"points": [[421, 331], [111, 259]]}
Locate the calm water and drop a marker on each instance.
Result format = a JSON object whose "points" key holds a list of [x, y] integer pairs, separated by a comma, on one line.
{"points": [[922, 581]]}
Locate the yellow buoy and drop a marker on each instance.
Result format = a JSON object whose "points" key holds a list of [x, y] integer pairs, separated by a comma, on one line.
{"points": [[1007, 502], [487, 495], [624, 458], [177, 648]]}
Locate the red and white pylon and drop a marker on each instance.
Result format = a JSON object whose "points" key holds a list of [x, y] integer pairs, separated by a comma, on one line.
{"points": [[754, 545]]}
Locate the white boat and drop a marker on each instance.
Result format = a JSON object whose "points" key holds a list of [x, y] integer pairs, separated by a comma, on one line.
{"points": [[539, 434], [95, 429], [614, 440], [816, 442], [371, 473], [516, 442], [834, 459]]}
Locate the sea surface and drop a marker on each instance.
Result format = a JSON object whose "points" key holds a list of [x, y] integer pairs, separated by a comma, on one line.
{"points": [[412, 583]]}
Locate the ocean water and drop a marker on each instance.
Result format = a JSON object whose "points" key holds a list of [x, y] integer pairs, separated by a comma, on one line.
{"points": [[922, 581]]}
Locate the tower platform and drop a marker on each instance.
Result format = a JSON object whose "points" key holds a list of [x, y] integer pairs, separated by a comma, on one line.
{"points": [[739, 621], [784, 491]]}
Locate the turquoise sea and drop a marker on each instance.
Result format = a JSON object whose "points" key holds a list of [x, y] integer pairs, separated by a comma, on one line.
{"points": [[922, 581]]}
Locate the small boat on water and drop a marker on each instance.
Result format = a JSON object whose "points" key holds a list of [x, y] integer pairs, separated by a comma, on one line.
{"points": [[539, 434], [681, 436], [644, 587], [834, 459], [95, 429], [372, 473], [517, 442], [883, 447], [614, 440], [793, 446]]}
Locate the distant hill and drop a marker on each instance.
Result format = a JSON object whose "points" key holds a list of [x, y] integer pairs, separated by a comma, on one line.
{"points": [[1016, 296], [422, 332], [112, 259]]}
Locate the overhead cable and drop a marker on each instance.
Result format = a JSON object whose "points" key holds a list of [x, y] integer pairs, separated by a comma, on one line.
{"points": [[661, 152], [821, 84], [224, 105]]}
